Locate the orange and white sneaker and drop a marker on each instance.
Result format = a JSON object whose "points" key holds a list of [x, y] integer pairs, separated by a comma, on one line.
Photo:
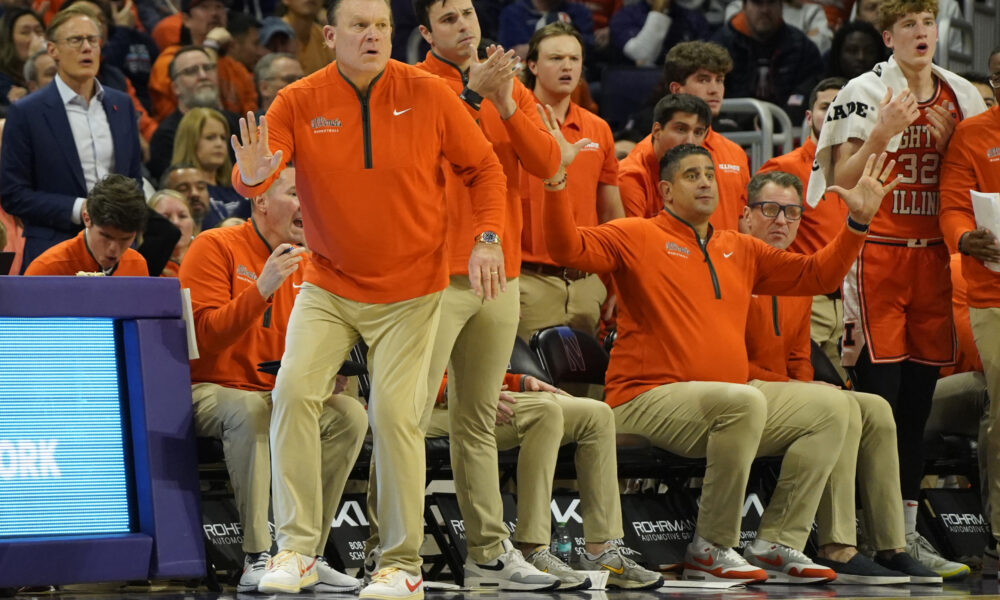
{"points": [[705, 561], [786, 565], [392, 584], [289, 572]]}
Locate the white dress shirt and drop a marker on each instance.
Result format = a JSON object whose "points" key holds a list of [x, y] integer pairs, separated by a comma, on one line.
{"points": [[91, 135]]}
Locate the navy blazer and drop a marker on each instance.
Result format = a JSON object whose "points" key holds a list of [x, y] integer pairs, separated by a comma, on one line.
{"points": [[40, 172]]}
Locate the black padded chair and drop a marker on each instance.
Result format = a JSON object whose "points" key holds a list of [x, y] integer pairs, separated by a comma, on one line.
{"points": [[524, 361], [570, 355], [823, 369]]}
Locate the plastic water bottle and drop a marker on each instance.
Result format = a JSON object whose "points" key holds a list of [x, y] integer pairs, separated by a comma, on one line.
{"points": [[562, 543]]}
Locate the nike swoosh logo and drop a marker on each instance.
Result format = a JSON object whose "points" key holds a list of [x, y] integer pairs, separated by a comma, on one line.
{"points": [[775, 562], [306, 570], [396, 113], [413, 587], [727, 254], [297, 286], [705, 562], [497, 567], [617, 571]]}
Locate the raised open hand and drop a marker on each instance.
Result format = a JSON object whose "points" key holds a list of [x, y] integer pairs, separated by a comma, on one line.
{"points": [[566, 149], [864, 199], [253, 155]]}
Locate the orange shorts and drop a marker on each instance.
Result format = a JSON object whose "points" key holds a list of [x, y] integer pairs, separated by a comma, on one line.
{"points": [[897, 304]]}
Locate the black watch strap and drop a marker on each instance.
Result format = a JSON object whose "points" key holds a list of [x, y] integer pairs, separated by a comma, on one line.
{"points": [[471, 98]]}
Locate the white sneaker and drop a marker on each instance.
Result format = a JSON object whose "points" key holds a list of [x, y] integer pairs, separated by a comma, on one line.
{"points": [[705, 561], [924, 553], [786, 565], [289, 572], [254, 566], [392, 584], [332, 580], [546, 562], [371, 564], [509, 571]]}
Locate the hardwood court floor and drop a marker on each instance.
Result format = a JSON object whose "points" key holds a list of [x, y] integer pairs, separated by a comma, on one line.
{"points": [[973, 588]]}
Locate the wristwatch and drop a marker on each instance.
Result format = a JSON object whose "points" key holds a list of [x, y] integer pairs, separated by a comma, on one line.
{"points": [[488, 237]]}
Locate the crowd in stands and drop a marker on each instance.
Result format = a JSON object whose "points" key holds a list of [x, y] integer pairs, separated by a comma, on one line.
{"points": [[215, 142]]}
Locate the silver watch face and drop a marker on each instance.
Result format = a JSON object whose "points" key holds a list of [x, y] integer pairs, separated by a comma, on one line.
{"points": [[489, 237]]}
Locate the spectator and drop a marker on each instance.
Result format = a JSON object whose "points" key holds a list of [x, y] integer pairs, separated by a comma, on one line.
{"points": [[273, 72], [204, 25], [114, 215], [982, 83], [807, 17], [994, 62], [193, 184], [196, 84], [244, 281], [278, 36], [21, 34], [522, 18], [174, 206], [41, 180], [645, 30], [39, 70], [866, 10], [772, 60], [856, 48], [203, 140], [245, 46], [152, 12], [302, 16], [167, 30]]}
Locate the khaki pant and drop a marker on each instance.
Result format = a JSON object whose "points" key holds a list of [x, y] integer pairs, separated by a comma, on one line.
{"points": [[728, 424], [826, 327], [986, 331], [241, 419], [961, 405], [869, 455], [475, 338], [321, 332], [547, 301], [542, 423]]}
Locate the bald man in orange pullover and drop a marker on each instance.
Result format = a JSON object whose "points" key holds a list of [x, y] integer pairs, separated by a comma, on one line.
{"points": [[679, 369], [367, 136]]}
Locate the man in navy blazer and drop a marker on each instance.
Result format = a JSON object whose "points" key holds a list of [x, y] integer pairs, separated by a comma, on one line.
{"points": [[59, 141]]}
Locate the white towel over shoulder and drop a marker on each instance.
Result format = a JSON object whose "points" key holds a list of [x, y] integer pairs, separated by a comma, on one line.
{"points": [[854, 114]]}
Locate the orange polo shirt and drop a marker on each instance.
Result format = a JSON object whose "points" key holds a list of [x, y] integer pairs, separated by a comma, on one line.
{"points": [[638, 176], [821, 224], [237, 91], [732, 172], [72, 256], [777, 338], [235, 326], [368, 178], [972, 162], [520, 141], [596, 163], [682, 309]]}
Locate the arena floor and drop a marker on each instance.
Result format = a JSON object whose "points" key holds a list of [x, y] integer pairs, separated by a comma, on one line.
{"points": [[974, 587]]}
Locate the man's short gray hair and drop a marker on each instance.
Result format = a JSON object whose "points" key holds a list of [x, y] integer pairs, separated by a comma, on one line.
{"points": [[30, 72], [263, 68]]}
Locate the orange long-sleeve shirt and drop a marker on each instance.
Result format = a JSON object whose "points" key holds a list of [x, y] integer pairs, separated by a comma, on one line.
{"points": [[968, 358], [368, 178], [512, 381], [596, 163], [972, 162], [237, 91], [72, 256], [732, 172], [235, 326], [520, 141], [777, 338], [682, 307], [639, 177], [819, 225]]}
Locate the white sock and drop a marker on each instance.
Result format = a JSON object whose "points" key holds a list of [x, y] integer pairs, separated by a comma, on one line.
{"points": [[700, 541], [759, 546], [910, 516]]}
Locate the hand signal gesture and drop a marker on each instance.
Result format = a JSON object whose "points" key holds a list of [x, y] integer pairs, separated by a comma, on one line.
{"points": [[253, 155], [864, 199], [568, 150]]}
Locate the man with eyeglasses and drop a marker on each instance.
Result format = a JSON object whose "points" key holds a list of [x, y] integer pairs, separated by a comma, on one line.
{"points": [[972, 162], [778, 348], [195, 80], [63, 139], [273, 72]]}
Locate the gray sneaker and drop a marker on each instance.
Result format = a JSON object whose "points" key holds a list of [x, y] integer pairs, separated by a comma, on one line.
{"points": [[924, 553], [509, 571], [623, 572], [546, 562]]}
